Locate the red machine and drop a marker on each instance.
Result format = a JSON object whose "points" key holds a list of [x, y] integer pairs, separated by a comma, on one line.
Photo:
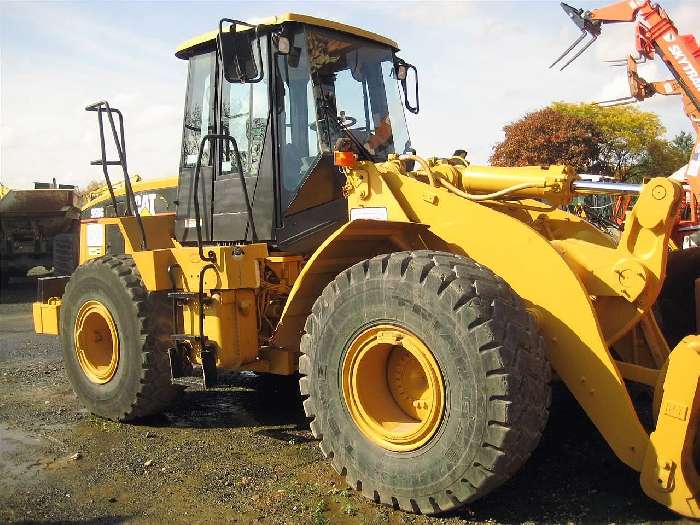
{"points": [[656, 34]]}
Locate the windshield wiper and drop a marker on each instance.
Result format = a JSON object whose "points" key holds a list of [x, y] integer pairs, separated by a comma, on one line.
{"points": [[361, 150]]}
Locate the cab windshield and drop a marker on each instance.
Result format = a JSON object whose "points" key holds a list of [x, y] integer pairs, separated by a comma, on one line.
{"points": [[356, 92]]}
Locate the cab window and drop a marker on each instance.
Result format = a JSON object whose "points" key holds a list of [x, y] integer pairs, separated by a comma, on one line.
{"points": [[298, 135], [244, 115], [356, 89], [198, 118]]}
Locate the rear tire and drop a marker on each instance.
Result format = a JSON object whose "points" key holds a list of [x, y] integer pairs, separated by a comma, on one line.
{"points": [[489, 355], [139, 384], [65, 253], [4, 277]]}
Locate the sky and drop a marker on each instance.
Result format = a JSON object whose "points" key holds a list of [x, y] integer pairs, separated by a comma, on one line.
{"points": [[481, 65]]}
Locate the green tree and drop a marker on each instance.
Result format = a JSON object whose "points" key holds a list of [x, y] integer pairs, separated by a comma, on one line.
{"points": [[684, 143], [662, 158], [546, 137], [625, 133], [90, 187]]}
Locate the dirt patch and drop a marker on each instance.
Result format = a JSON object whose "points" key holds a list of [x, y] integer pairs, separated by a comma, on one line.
{"points": [[244, 454]]}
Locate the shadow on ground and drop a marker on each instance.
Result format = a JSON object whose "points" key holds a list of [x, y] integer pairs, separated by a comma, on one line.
{"points": [[241, 400], [573, 476]]}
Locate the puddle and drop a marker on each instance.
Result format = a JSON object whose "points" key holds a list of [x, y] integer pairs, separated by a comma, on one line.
{"points": [[19, 457]]}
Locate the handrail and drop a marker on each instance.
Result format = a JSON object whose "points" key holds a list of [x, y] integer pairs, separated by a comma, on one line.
{"points": [[211, 256], [120, 144]]}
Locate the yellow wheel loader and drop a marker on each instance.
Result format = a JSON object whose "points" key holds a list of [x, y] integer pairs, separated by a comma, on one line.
{"points": [[309, 238]]}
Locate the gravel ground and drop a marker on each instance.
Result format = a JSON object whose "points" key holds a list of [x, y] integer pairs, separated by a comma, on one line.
{"points": [[244, 454]]}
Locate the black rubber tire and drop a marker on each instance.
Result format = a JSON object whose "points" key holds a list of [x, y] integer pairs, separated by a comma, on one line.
{"points": [[4, 276], [141, 386], [65, 253], [676, 302], [493, 365]]}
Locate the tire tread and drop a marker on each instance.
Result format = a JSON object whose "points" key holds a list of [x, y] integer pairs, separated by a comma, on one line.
{"points": [[155, 392], [517, 372]]}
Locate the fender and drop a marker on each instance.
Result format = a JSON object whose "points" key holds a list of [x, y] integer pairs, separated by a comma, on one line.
{"points": [[351, 243]]}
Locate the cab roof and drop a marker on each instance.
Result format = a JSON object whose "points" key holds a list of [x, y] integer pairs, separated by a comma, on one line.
{"points": [[191, 46]]}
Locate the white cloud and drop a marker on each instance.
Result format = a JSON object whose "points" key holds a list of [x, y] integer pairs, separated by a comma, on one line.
{"points": [[47, 133]]}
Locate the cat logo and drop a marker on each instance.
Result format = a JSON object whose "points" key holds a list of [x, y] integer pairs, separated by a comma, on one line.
{"points": [[146, 203]]}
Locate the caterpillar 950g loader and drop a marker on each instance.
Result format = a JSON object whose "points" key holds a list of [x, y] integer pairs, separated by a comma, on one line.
{"points": [[422, 301]]}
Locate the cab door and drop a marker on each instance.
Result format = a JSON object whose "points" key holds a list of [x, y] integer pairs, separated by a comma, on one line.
{"points": [[244, 110]]}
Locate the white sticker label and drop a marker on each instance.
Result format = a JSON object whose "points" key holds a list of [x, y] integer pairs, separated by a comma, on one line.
{"points": [[372, 214], [95, 235], [190, 223], [97, 213]]}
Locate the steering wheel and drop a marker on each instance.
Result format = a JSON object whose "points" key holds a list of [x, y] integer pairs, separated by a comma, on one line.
{"points": [[345, 120]]}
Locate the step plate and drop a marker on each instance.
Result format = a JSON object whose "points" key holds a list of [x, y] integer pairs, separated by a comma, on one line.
{"points": [[189, 381]]}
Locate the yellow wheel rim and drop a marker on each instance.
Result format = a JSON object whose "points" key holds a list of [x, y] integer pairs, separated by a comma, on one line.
{"points": [[96, 342], [393, 388]]}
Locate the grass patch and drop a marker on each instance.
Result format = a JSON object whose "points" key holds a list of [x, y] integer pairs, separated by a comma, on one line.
{"points": [[319, 518]]}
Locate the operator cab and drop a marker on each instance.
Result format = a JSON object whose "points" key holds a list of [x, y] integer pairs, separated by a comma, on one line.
{"points": [[286, 91]]}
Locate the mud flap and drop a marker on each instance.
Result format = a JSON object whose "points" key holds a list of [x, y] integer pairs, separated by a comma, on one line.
{"points": [[670, 471]]}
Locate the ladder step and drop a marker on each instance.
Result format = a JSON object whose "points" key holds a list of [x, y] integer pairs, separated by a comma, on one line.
{"points": [[186, 337], [197, 381], [106, 163], [183, 295], [204, 376], [186, 296]]}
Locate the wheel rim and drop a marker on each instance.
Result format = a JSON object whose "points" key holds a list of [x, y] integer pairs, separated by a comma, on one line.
{"points": [[393, 388], [96, 342]]}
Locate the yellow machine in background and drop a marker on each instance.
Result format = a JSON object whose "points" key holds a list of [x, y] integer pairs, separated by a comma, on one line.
{"points": [[152, 197], [422, 301]]}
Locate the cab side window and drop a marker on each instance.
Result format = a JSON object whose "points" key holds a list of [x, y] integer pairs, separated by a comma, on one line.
{"points": [[245, 110], [198, 119]]}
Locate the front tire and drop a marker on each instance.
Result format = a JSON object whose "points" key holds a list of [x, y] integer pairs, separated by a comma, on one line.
{"points": [[484, 372], [115, 338]]}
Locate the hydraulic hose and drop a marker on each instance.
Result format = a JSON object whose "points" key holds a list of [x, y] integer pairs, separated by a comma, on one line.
{"points": [[469, 196], [424, 165], [489, 196]]}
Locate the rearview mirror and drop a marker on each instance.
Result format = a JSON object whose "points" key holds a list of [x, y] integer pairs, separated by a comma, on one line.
{"points": [[401, 71], [236, 51], [407, 74]]}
